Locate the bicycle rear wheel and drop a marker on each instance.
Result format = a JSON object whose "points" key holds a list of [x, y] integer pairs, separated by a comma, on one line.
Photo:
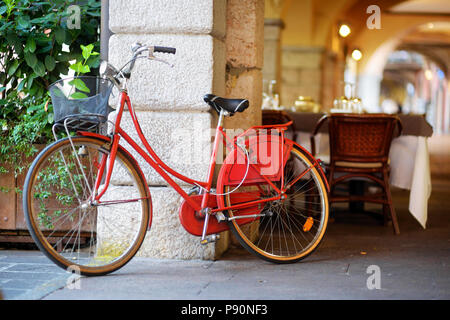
{"points": [[73, 231], [289, 229]]}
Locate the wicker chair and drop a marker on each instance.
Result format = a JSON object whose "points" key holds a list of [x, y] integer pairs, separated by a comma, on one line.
{"points": [[278, 117], [359, 147]]}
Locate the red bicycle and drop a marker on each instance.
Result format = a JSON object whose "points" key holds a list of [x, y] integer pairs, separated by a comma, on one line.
{"points": [[87, 202]]}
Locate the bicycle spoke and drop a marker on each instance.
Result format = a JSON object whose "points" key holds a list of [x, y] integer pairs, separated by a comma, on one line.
{"points": [[293, 224], [78, 230]]}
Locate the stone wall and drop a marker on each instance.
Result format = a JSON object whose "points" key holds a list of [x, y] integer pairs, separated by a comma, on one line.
{"points": [[219, 50], [245, 57], [272, 49], [301, 74], [310, 72], [169, 101]]}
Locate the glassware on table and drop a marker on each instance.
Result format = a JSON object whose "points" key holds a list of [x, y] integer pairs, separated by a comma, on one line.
{"points": [[271, 100], [306, 104], [357, 105], [347, 102]]}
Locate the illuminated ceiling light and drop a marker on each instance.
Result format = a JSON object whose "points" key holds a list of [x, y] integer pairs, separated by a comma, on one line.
{"points": [[357, 54], [344, 30], [430, 26], [428, 74]]}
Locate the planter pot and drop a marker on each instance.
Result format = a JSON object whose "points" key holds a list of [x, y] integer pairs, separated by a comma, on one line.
{"points": [[13, 227], [12, 220], [7, 200]]}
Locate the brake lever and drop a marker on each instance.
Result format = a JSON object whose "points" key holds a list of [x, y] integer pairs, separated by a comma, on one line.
{"points": [[163, 61], [152, 57]]}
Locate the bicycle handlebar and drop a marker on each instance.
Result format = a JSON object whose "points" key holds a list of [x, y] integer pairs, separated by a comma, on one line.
{"points": [[164, 49], [137, 50]]}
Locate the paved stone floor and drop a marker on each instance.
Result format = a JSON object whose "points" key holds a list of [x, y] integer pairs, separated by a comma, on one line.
{"points": [[413, 265], [27, 274]]}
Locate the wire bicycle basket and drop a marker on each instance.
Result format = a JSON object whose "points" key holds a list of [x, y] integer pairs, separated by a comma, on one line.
{"points": [[81, 103]]}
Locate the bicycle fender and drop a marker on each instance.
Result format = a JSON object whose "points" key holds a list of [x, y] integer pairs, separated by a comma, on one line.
{"points": [[265, 160]]}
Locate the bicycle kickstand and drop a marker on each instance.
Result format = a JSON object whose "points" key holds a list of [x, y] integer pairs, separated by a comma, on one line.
{"points": [[210, 238]]}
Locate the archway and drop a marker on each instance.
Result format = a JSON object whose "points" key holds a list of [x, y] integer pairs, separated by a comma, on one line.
{"points": [[379, 45]]}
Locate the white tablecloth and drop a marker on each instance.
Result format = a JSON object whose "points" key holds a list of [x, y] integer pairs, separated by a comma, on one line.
{"points": [[410, 168]]}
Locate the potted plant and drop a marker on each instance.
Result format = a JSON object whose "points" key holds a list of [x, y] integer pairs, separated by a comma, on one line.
{"points": [[37, 46]]}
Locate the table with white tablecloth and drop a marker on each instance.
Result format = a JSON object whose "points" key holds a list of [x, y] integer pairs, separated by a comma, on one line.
{"points": [[409, 157]]}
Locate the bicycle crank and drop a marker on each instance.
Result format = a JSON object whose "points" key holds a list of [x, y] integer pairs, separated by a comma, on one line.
{"points": [[209, 239]]}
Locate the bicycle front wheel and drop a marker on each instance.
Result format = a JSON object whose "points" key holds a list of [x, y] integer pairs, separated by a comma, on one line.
{"points": [[72, 230], [289, 229]]}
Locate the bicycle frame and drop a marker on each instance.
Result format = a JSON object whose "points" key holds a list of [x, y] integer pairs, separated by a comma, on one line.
{"points": [[164, 170]]}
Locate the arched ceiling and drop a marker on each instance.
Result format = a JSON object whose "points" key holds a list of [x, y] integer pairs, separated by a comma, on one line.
{"points": [[422, 24], [418, 25], [422, 7]]}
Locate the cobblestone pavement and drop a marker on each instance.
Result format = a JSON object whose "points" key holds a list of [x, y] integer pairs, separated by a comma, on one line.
{"points": [[28, 275], [413, 265]]}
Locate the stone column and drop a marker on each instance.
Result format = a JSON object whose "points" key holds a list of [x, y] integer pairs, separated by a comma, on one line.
{"points": [[169, 101], [272, 49], [301, 74], [369, 91], [245, 56], [105, 33]]}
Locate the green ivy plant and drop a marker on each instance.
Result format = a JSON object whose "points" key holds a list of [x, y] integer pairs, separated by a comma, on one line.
{"points": [[36, 48], [82, 67]]}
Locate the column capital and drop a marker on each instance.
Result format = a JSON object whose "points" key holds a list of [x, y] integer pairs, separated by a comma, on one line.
{"points": [[273, 8], [275, 22]]}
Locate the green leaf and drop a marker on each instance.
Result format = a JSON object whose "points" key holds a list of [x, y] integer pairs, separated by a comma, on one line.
{"points": [[78, 95], [49, 18], [24, 21], [5, 25], [60, 35], [85, 69], [30, 46], [30, 81], [33, 89], [21, 85], [62, 67], [65, 56], [13, 67], [80, 85], [94, 4], [34, 108], [93, 14], [39, 68], [86, 50], [79, 68], [50, 63], [93, 62], [12, 39], [30, 59]]}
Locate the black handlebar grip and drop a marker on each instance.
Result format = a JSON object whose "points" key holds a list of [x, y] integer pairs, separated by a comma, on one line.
{"points": [[164, 49]]}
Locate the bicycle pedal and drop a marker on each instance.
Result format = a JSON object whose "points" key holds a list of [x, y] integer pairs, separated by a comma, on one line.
{"points": [[210, 239]]}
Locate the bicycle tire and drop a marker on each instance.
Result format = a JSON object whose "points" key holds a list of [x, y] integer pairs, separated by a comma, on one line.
{"points": [[106, 228], [250, 236]]}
